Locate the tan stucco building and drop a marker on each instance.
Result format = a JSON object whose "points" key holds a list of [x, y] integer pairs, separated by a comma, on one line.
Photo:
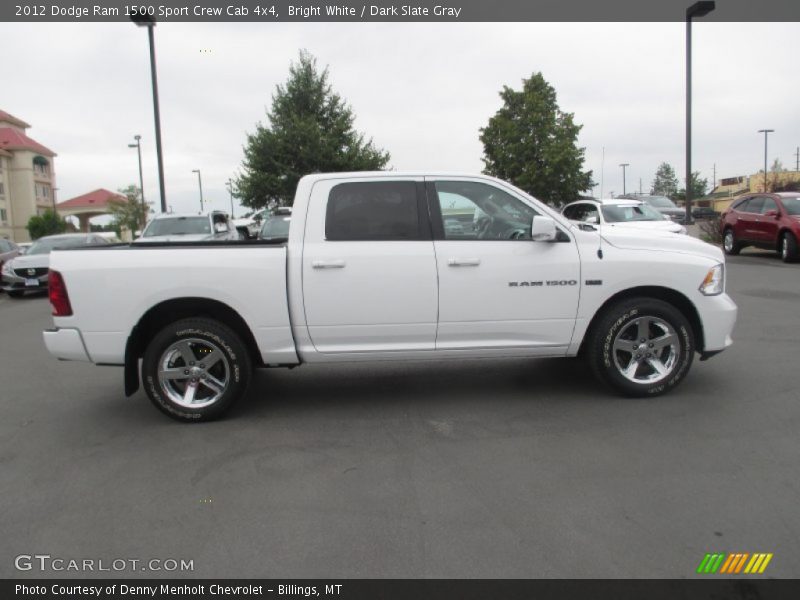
{"points": [[27, 178]]}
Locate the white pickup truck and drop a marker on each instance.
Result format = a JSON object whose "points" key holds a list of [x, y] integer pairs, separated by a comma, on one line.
{"points": [[390, 266]]}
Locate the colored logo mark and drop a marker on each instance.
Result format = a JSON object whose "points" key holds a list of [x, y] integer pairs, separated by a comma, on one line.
{"points": [[734, 563]]}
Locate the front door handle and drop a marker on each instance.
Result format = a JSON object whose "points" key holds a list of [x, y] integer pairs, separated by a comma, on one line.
{"points": [[327, 264], [464, 262]]}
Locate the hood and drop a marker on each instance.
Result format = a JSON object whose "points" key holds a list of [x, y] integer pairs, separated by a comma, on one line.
{"points": [[35, 261], [671, 226], [186, 237], [655, 239]]}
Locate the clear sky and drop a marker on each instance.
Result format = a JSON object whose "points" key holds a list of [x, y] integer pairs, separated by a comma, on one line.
{"points": [[421, 91]]}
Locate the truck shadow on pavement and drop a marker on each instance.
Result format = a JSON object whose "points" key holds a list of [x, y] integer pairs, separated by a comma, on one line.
{"points": [[353, 385]]}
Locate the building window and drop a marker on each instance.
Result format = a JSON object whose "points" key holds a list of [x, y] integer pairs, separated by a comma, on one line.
{"points": [[2, 189], [40, 165], [3, 217]]}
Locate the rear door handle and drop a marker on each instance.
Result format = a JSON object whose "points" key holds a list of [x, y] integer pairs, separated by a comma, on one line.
{"points": [[327, 264], [464, 262]]}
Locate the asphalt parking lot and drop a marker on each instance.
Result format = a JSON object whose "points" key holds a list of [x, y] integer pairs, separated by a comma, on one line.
{"points": [[489, 469]]}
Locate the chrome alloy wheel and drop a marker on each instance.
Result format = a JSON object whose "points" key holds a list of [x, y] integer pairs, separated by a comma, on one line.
{"points": [[728, 241], [785, 246], [646, 350], [193, 373]]}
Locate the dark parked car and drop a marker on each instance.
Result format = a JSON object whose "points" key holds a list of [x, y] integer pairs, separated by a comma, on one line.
{"points": [[704, 212], [666, 207], [770, 221]]}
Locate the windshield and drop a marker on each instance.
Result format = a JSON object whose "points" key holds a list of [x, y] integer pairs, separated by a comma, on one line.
{"points": [[661, 202], [792, 205], [178, 226], [46, 245], [624, 213], [276, 227]]}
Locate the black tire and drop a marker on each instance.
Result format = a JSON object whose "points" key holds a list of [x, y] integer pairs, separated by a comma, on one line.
{"points": [[15, 294], [173, 347], [610, 348], [788, 248], [732, 247]]}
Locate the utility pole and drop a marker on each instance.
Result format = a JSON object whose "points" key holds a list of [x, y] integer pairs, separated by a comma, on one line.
{"points": [[714, 183], [624, 166], [230, 191], [797, 156], [766, 132], [640, 186]]}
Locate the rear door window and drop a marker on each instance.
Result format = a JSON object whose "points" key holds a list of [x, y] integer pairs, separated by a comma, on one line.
{"points": [[754, 205], [374, 211]]}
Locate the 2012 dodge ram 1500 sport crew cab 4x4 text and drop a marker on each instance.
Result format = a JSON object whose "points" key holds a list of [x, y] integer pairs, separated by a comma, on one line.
{"points": [[386, 266]]}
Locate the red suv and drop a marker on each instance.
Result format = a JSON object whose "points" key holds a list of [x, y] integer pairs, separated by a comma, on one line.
{"points": [[770, 221]]}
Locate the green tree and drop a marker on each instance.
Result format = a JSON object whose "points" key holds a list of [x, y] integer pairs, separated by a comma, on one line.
{"points": [[533, 144], [48, 223], [699, 187], [666, 182], [128, 213], [310, 130]]}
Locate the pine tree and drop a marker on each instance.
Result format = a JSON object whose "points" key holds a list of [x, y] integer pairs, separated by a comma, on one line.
{"points": [[666, 182], [533, 144], [310, 130]]}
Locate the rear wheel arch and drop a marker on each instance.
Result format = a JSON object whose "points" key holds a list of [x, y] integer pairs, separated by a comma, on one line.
{"points": [[169, 311], [670, 296]]}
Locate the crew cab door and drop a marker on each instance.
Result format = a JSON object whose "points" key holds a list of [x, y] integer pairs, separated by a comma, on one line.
{"points": [[497, 287], [369, 273]]}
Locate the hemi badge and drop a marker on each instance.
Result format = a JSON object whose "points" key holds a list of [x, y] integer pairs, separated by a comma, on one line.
{"points": [[594, 282]]}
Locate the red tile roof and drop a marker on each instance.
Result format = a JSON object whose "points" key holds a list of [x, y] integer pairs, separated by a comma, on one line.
{"points": [[97, 198], [11, 139], [4, 116]]}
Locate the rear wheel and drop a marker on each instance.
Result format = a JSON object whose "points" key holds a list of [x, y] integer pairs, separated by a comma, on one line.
{"points": [[195, 369], [788, 247], [641, 347], [729, 243]]}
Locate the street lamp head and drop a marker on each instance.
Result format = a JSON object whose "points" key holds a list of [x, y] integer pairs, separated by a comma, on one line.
{"points": [[141, 20], [766, 131], [624, 164], [137, 137], [133, 145], [195, 170], [700, 9]]}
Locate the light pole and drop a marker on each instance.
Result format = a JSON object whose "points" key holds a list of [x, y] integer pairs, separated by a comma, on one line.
{"points": [[766, 132], [230, 191], [149, 22], [138, 146], [698, 9], [54, 201], [624, 166], [199, 183]]}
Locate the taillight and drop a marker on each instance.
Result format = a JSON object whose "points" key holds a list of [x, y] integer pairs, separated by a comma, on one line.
{"points": [[58, 295]]}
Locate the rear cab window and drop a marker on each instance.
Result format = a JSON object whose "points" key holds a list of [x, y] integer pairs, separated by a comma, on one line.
{"points": [[376, 211]]}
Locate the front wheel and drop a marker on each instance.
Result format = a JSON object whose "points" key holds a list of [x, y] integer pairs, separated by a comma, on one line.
{"points": [[195, 369], [641, 347], [729, 243], [788, 248]]}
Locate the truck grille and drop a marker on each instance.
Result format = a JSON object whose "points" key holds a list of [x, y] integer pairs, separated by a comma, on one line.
{"points": [[31, 272]]}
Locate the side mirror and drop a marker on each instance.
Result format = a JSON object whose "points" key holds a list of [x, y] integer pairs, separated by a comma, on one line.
{"points": [[543, 229], [772, 213]]}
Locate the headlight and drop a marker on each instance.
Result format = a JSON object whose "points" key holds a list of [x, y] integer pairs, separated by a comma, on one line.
{"points": [[714, 282], [7, 270]]}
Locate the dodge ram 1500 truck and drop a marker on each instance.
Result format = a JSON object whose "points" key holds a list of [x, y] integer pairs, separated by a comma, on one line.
{"points": [[390, 266]]}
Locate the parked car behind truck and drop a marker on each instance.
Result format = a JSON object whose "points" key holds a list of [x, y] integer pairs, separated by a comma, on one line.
{"points": [[370, 272], [769, 221]]}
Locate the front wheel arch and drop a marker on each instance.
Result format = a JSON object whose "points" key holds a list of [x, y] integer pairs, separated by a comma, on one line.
{"points": [[670, 296]]}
